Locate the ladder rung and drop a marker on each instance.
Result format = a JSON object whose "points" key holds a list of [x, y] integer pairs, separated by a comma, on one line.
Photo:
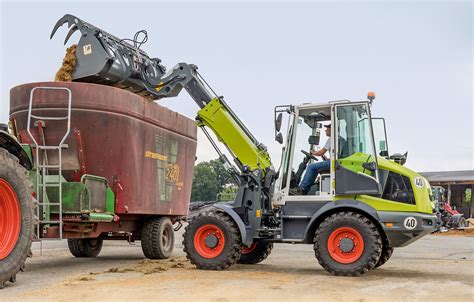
{"points": [[64, 146], [50, 222], [49, 239], [50, 118], [49, 166], [47, 185], [49, 203]]}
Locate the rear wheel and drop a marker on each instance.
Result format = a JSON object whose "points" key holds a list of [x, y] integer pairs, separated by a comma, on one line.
{"points": [[387, 252], [16, 217], [256, 253], [212, 241], [157, 238], [85, 248], [347, 244]]}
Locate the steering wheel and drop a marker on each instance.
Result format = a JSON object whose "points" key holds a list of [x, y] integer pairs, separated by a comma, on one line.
{"points": [[309, 155]]}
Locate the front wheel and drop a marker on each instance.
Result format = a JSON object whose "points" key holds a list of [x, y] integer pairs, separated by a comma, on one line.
{"points": [[212, 241], [347, 244]]}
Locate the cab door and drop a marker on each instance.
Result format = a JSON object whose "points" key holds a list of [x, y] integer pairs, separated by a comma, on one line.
{"points": [[356, 169]]}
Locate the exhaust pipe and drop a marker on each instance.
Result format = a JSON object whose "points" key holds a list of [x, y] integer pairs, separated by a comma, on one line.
{"points": [[105, 59]]}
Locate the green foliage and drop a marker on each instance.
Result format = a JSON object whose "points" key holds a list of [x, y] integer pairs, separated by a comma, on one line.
{"points": [[223, 177], [210, 178], [205, 186], [228, 193]]}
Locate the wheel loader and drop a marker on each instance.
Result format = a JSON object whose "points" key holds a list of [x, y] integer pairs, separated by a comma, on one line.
{"points": [[366, 204]]}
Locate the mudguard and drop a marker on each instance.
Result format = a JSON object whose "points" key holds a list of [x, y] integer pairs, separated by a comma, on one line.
{"points": [[10, 144], [244, 231], [454, 220], [338, 204]]}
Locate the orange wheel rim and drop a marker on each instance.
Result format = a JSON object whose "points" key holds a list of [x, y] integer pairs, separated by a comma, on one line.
{"points": [[10, 219], [345, 245], [209, 241], [246, 250]]}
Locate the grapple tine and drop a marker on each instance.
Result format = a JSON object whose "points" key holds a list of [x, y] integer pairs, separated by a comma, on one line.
{"points": [[69, 19], [72, 30]]}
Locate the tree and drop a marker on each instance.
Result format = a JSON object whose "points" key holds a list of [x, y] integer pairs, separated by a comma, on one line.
{"points": [[223, 177], [210, 178], [205, 184]]}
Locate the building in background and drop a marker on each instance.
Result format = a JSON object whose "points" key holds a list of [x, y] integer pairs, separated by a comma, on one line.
{"points": [[459, 186]]}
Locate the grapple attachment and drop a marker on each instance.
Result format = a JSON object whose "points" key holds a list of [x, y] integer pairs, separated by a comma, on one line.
{"points": [[105, 59]]}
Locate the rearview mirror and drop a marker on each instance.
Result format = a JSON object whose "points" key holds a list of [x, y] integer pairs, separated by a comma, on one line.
{"points": [[278, 123], [399, 158], [279, 138], [372, 166]]}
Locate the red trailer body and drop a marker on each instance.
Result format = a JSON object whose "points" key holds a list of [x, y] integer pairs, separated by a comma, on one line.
{"points": [[145, 151]]}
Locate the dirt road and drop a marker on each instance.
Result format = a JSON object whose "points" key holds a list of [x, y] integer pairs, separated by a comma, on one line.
{"points": [[434, 268]]}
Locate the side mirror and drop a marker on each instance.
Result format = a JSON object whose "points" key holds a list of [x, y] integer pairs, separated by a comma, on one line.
{"points": [[313, 140], [279, 138], [384, 153], [278, 123]]}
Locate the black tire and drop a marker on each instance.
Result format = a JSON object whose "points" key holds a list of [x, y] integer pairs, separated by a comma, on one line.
{"points": [[85, 248], [157, 238], [258, 252], [368, 235], [225, 230], [15, 175], [387, 252]]}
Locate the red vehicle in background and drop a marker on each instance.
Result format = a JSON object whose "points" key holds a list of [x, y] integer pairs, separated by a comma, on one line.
{"points": [[448, 217]]}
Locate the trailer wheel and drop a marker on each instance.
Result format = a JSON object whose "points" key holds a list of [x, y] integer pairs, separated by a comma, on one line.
{"points": [[85, 248], [347, 244], [16, 217], [212, 241], [387, 252], [157, 238], [256, 253]]}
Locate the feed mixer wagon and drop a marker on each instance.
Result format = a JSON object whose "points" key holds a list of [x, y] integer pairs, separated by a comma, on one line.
{"points": [[102, 163]]}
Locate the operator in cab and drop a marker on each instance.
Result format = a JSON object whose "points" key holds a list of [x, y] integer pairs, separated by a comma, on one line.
{"points": [[314, 169]]}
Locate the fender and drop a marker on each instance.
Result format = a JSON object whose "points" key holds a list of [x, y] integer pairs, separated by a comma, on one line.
{"points": [[246, 240], [455, 219], [358, 206], [10, 144]]}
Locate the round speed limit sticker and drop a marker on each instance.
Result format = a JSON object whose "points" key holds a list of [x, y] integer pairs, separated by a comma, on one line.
{"points": [[410, 223]]}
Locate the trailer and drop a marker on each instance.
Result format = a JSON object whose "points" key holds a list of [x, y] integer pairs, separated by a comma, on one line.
{"points": [[102, 163]]}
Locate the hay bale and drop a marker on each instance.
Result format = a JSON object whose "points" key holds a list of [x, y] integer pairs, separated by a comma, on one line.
{"points": [[64, 73]]}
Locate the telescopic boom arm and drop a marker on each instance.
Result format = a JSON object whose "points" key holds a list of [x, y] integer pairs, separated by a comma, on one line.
{"points": [[105, 59]]}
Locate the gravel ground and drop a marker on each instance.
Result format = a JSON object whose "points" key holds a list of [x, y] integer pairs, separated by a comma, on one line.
{"points": [[436, 268]]}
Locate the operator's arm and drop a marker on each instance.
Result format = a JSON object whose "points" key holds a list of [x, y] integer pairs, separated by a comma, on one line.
{"points": [[321, 152]]}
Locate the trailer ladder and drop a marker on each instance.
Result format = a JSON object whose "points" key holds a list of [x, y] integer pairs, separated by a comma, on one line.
{"points": [[43, 179]]}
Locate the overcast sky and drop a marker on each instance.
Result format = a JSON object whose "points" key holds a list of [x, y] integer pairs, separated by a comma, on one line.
{"points": [[417, 57]]}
